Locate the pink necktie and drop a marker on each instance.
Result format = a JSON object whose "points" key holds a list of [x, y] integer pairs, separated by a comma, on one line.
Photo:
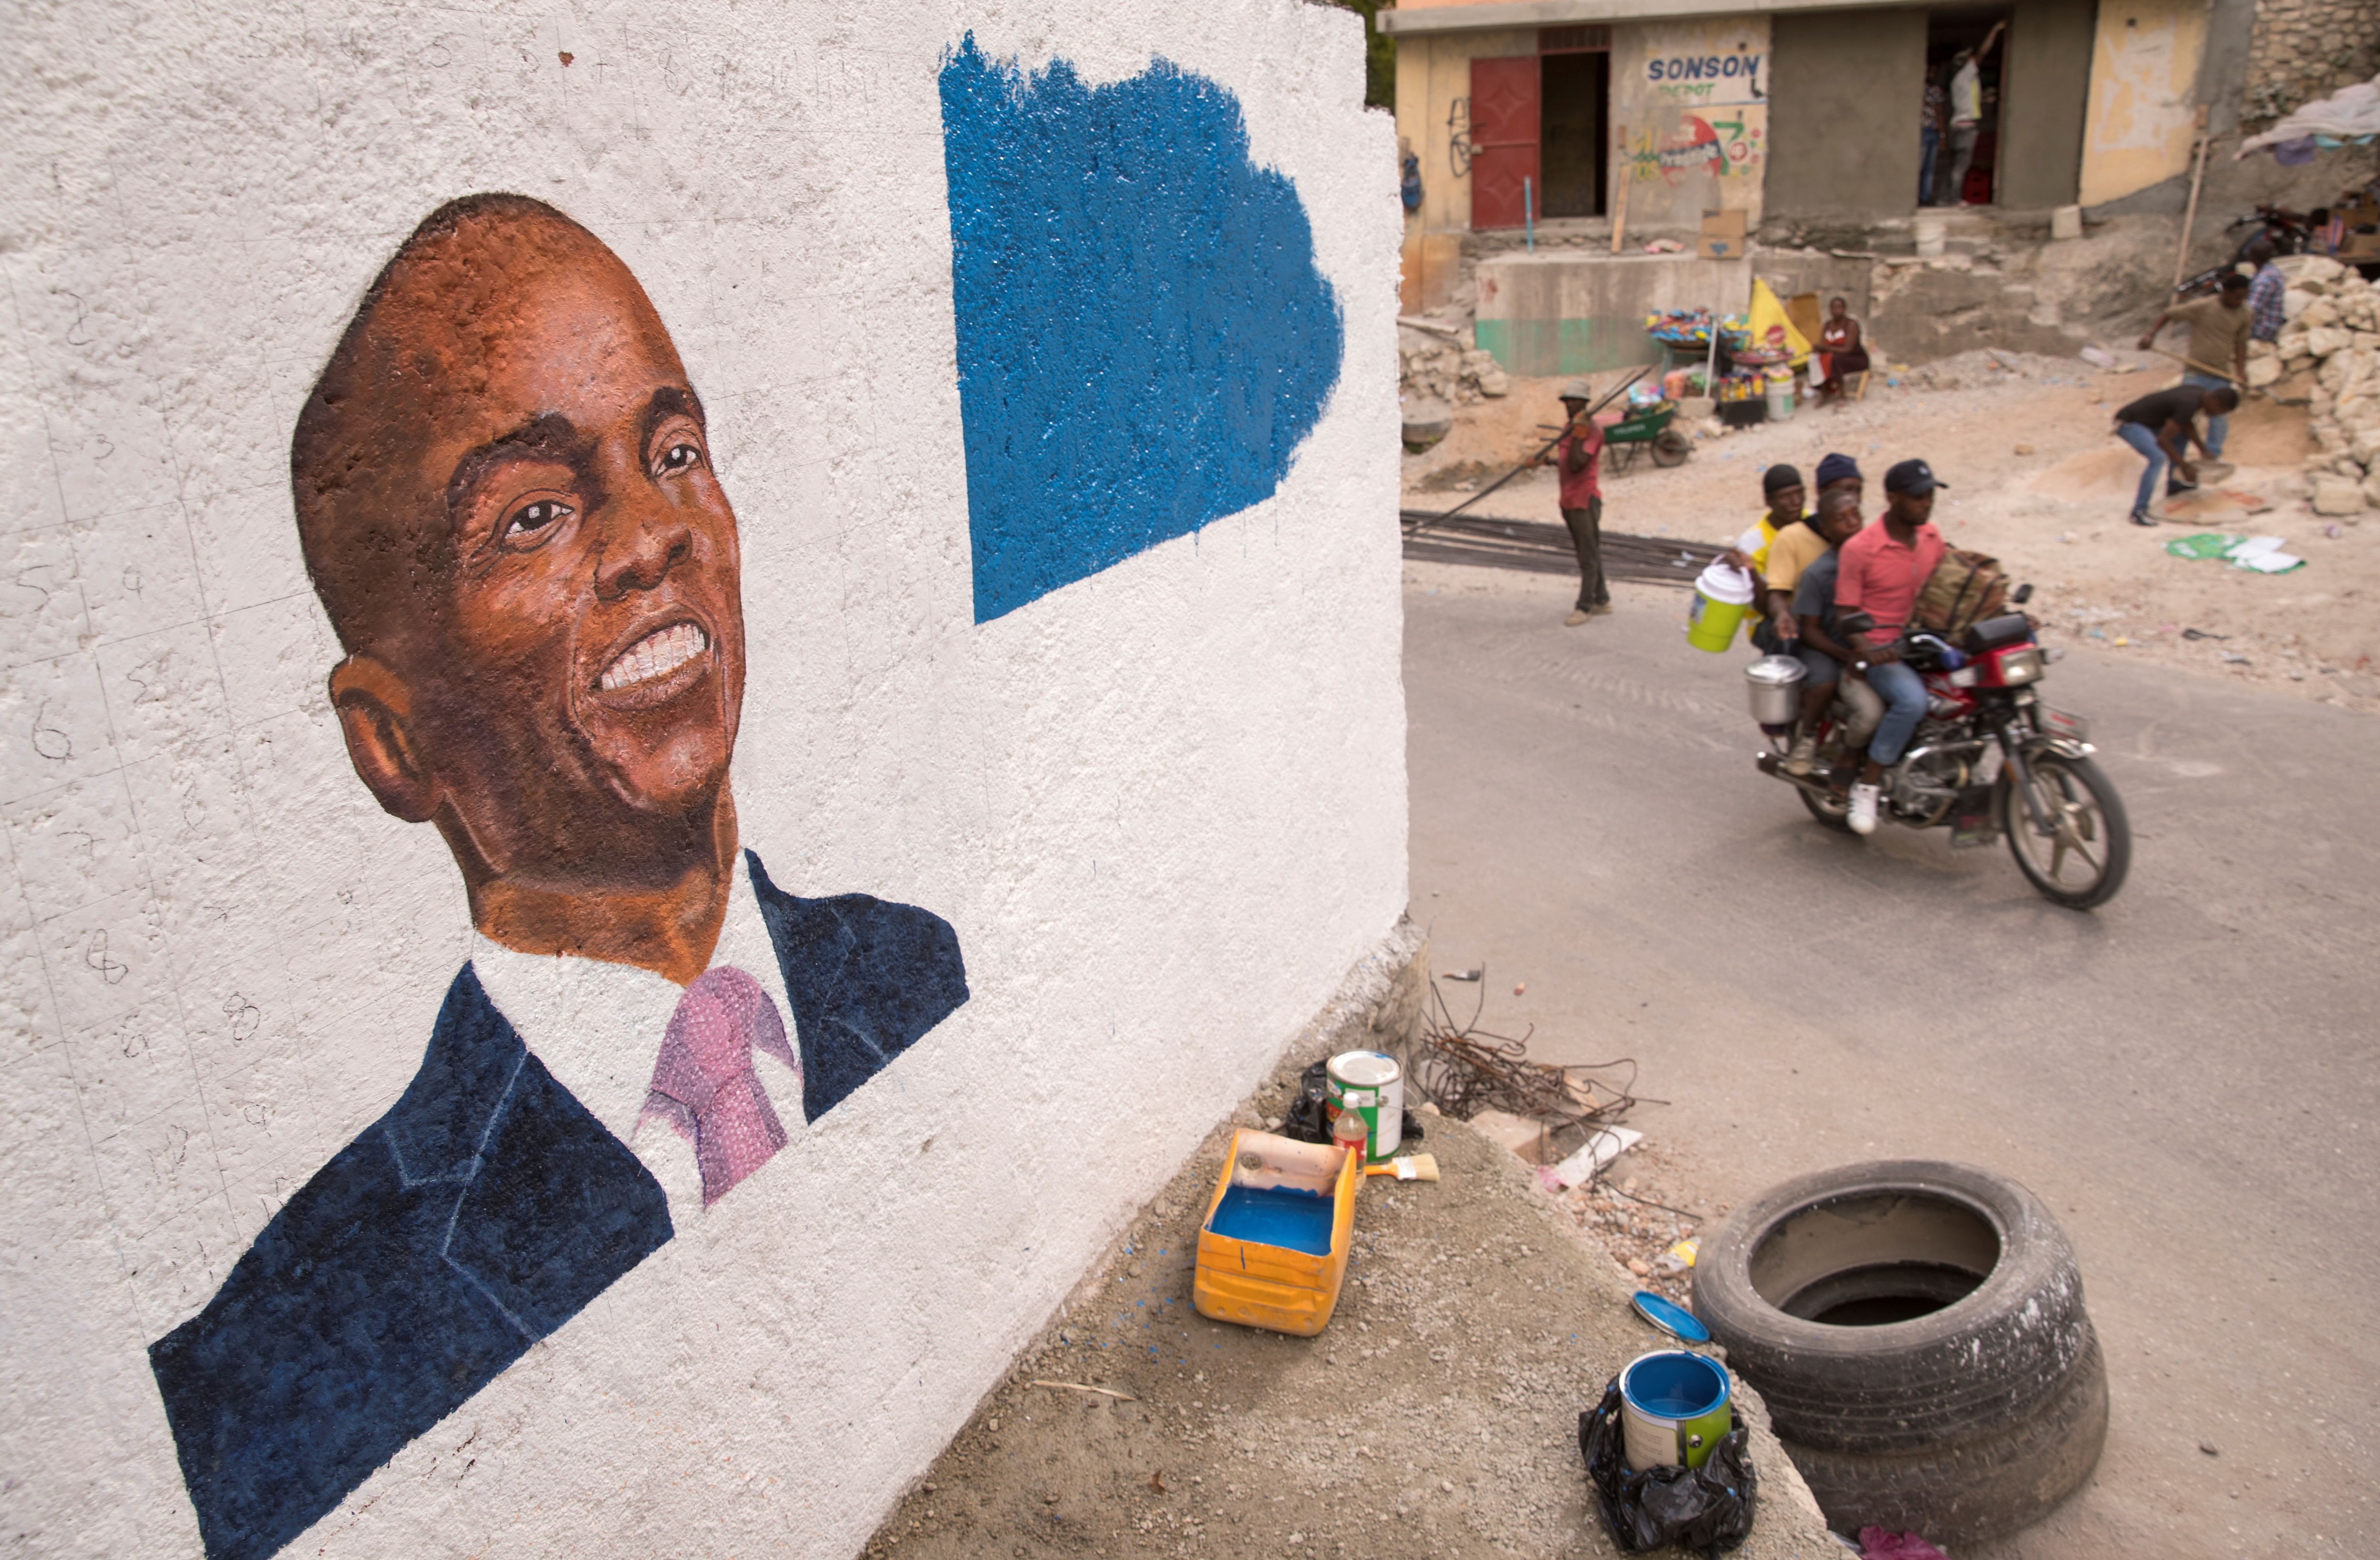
{"points": [[703, 1083]]}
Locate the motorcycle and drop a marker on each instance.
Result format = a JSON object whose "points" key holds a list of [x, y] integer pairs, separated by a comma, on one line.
{"points": [[2286, 231], [1989, 758]]}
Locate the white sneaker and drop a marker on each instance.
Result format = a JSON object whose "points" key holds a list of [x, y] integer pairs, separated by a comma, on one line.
{"points": [[1805, 755], [1864, 800]]}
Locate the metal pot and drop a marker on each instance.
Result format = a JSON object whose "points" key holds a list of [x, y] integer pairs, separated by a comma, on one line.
{"points": [[1775, 684]]}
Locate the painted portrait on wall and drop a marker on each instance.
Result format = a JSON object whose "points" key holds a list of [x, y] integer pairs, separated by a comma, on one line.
{"points": [[508, 509]]}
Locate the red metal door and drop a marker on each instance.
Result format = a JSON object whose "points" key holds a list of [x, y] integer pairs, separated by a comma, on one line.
{"points": [[1503, 140]]}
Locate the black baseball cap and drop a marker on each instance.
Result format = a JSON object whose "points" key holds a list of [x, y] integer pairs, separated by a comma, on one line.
{"points": [[1912, 477], [1776, 479]]}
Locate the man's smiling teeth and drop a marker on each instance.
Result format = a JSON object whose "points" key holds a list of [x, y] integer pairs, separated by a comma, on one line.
{"points": [[656, 655]]}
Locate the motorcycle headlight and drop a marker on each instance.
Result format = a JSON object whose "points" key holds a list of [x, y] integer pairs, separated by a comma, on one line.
{"points": [[2019, 667]]}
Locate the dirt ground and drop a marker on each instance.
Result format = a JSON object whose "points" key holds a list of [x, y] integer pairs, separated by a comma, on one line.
{"points": [[1436, 1415], [2036, 478]]}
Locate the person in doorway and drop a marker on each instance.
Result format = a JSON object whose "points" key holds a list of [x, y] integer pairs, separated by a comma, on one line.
{"points": [[2161, 426], [1967, 114], [1933, 125], [1810, 598], [1842, 349], [1576, 456], [1882, 570], [2266, 291], [2219, 340]]}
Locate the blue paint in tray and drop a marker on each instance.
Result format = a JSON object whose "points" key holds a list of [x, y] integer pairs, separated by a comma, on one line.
{"points": [[1280, 1215], [1144, 336]]}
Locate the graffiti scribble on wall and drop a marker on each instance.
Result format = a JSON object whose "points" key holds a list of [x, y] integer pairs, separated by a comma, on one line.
{"points": [[508, 508], [1144, 339]]}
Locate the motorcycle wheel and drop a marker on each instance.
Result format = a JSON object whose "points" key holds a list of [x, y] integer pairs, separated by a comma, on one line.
{"points": [[1670, 447], [1835, 815], [2083, 863]]}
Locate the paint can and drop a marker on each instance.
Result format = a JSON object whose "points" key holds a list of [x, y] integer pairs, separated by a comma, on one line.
{"points": [[1673, 1408], [1373, 1085]]}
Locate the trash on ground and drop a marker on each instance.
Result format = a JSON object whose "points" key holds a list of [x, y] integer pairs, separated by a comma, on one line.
{"points": [[2099, 357], [1680, 1257], [1877, 1543], [1463, 974], [1272, 1250], [1085, 1386], [2202, 634], [1709, 1507], [2260, 555], [1669, 1316], [1601, 1148]]}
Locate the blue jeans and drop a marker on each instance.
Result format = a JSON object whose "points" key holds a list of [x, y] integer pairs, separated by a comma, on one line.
{"points": [[2217, 427], [1931, 141], [2144, 442], [1904, 705]]}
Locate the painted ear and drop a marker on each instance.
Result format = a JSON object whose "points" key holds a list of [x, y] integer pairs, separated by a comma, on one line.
{"points": [[375, 708]]}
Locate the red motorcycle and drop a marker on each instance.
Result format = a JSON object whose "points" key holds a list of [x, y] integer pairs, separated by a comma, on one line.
{"points": [[1989, 758]]}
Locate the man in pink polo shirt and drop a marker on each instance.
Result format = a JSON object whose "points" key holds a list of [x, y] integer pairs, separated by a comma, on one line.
{"points": [[1576, 455], [1883, 569]]}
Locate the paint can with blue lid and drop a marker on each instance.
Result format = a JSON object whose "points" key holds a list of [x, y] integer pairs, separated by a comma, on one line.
{"points": [[1674, 1407], [1372, 1083]]}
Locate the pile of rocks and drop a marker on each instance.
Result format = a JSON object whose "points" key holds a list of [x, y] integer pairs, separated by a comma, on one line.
{"points": [[2333, 341], [1440, 368]]}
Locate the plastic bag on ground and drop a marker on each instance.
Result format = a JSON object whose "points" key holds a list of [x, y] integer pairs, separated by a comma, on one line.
{"points": [[1876, 1544], [1706, 1509]]}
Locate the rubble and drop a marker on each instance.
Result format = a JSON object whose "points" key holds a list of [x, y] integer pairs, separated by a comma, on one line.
{"points": [[2333, 340]]}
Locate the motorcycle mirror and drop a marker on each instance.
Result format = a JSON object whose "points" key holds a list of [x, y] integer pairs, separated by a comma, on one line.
{"points": [[2022, 594]]}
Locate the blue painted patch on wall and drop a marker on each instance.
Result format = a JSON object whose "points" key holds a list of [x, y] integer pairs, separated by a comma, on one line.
{"points": [[1144, 338]]}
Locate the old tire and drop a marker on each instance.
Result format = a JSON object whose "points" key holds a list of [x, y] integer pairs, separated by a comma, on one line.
{"points": [[1969, 1491], [1911, 1315]]}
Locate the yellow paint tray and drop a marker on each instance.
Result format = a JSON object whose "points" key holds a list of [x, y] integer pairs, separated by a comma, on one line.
{"points": [[1272, 1248]]}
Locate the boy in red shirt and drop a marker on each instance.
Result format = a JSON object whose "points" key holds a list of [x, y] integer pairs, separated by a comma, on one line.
{"points": [[1576, 456]]}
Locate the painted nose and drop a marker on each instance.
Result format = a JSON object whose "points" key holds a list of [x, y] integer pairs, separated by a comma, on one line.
{"points": [[648, 538]]}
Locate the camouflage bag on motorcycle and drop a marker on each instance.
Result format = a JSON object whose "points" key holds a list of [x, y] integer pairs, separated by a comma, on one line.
{"points": [[1963, 588]]}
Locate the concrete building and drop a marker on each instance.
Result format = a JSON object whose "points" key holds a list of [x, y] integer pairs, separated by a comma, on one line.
{"points": [[1537, 127]]}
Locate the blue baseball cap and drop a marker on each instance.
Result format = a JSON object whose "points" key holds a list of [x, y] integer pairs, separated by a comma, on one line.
{"points": [[1834, 469]]}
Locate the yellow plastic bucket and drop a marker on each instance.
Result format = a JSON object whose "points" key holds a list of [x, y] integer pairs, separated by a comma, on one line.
{"points": [[1722, 598]]}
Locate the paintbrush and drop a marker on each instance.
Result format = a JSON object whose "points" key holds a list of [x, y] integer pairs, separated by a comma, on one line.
{"points": [[1410, 1167]]}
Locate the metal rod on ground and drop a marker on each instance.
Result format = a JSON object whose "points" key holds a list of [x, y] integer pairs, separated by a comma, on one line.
{"points": [[2190, 215], [1466, 504]]}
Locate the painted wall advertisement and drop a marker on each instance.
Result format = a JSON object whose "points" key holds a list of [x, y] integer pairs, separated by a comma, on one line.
{"points": [[623, 714], [1693, 101]]}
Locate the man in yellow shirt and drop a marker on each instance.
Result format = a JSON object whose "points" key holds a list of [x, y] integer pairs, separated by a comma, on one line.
{"points": [[1783, 486]]}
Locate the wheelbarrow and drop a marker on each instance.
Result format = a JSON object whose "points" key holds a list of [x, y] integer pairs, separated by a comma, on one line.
{"points": [[1646, 430]]}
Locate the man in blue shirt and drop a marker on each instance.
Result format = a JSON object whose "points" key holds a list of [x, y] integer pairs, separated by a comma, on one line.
{"points": [[2266, 291]]}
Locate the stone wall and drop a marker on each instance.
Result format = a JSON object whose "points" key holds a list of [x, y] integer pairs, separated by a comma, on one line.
{"points": [[2307, 49]]}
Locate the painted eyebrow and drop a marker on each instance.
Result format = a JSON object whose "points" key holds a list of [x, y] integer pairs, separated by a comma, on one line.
{"points": [[550, 437], [669, 400]]}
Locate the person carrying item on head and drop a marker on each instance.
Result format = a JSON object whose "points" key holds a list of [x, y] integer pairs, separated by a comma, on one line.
{"points": [[1576, 456], [2218, 340], [2266, 290], [2159, 426], [1882, 570], [1818, 643]]}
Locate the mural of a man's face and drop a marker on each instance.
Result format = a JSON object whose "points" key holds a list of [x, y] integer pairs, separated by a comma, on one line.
{"points": [[539, 566]]}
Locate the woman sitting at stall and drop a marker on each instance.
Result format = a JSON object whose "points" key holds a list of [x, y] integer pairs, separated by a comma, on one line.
{"points": [[1839, 351]]}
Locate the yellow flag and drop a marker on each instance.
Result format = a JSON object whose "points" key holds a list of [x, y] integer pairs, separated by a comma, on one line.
{"points": [[1768, 316]]}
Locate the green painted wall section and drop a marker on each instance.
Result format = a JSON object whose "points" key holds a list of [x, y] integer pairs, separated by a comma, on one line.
{"points": [[1544, 348]]}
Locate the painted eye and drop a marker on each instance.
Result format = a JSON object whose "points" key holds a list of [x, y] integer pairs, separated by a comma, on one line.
{"points": [[681, 457], [530, 519]]}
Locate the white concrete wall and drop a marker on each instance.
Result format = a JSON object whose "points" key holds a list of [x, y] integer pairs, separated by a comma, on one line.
{"points": [[1163, 808]]}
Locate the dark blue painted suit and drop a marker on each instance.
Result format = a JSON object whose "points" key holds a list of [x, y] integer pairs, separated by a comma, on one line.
{"points": [[473, 1219]]}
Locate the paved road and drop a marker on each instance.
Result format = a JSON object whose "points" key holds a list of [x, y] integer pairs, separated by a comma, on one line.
{"points": [[2186, 1075]]}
